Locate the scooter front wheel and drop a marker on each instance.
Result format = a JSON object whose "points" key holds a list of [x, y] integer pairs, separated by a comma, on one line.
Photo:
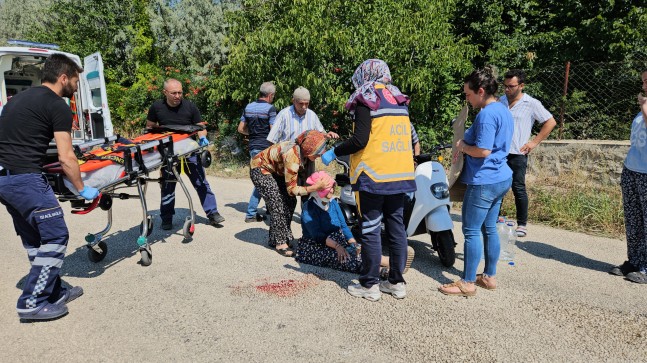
{"points": [[444, 244]]}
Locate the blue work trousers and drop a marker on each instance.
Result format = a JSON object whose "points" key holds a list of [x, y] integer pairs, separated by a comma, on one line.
{"points": [[252, 206], [195, 172], [38, 220], [373, 209]]}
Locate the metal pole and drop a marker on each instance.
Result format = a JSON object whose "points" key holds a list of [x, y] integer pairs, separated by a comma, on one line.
{"points": [[561, 113]]}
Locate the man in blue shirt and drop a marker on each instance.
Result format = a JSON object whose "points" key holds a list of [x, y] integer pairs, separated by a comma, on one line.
{"points": [[526, 111], [256, 122]]}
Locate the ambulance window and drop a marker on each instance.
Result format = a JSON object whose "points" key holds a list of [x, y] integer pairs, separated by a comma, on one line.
{"points": [[95, 88]]}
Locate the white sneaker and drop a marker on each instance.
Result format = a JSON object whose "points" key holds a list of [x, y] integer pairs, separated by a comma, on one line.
{"points": [[399, 290], [372, 294]]}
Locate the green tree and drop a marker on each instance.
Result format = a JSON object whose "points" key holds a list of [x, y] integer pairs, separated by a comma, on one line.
{"points": [[19, 18], [190, 33], [319, 43]]}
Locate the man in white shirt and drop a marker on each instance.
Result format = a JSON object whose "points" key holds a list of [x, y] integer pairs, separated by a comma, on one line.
{"points": [[294, 120], [526, 111]]}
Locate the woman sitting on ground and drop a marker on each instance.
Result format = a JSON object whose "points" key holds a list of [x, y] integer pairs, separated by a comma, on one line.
{"points": [[274, 174], [327, 241]]}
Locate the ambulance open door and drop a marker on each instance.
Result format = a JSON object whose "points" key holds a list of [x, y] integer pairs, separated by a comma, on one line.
{"points": [[96, 100]]}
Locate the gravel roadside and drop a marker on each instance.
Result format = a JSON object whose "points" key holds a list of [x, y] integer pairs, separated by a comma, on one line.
{"points": [[225, 296]]}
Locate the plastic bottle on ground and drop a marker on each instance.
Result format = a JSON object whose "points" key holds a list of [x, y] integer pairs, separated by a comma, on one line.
{"points": [[508, 242]]}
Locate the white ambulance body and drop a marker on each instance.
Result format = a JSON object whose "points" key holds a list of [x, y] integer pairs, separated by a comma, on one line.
{"points": [[21, 68]]}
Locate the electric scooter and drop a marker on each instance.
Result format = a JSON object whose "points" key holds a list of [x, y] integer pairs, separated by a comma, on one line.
{"points": [[426, 212]]}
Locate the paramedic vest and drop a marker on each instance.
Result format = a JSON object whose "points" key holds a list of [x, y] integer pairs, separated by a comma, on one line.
{"points": [[385, 165]]}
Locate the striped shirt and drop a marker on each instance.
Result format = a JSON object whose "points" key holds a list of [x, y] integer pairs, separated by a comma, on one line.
{"points": [[288, 125], [259, 116], [284, 159], [525, 112], [414, 136]]}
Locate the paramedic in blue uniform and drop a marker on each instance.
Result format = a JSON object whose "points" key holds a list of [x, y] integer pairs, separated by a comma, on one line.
{"points": [[381, 174], [171, 111], [256, 122], [28, 123]]}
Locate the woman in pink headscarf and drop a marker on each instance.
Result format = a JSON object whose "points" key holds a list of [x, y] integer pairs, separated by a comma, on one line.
{"points": [[327, 241]]}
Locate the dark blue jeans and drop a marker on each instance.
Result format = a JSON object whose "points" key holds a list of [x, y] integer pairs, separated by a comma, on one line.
{"points": [[519, 164], [38, 220], [481, 205], [196, 174], [373, 209]]}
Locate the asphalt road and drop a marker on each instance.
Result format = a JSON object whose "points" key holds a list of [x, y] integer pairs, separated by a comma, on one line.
{"points": [[225, 296]]}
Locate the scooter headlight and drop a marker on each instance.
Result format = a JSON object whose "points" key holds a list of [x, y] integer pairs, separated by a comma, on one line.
{"points": [[440, 190]]}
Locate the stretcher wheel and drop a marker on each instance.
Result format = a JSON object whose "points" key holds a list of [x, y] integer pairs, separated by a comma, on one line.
{"points": [[147, 257], [149, 220], [95, 256], [105, 203], [188, 229], [205, 158]]}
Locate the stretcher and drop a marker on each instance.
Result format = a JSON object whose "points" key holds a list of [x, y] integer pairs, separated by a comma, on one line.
{"points": [[115, 163]]}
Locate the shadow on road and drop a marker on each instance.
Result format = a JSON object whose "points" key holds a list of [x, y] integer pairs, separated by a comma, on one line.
{"points": [[564, 256], [122, 245], [240, 206], [426, 261]]}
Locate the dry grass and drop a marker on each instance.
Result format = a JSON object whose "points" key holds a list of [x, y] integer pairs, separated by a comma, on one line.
{"points": [[575, 203]]}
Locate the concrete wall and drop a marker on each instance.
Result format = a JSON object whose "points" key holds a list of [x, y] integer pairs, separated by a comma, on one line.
{"points": [[599, 161]]}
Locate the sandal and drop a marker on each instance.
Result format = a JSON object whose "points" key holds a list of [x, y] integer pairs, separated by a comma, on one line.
{"points": [[637, 277], [461, 287], [482, 282], [521, 231], [286, 252]]}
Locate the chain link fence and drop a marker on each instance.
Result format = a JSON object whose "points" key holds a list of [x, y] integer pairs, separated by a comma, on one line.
{"points": [[589, 100]]}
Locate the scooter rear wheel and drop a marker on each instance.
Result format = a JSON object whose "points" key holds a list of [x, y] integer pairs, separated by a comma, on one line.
{"points": [[444, 244]]}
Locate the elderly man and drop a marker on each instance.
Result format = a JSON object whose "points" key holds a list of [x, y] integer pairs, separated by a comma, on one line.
{"points": [[256, 122], [292, 121], [170, 111]]}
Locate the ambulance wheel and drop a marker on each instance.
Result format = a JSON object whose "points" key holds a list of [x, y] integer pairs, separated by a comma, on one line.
{"points": [[149, 220], [444, 244], [188, 229], [95, 256], [146, 258]]}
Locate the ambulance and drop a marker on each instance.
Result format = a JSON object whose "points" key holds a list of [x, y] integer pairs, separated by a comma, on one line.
{"points": [[21, 67]]}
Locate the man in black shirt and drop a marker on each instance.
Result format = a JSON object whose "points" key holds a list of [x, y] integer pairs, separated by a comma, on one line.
{"points": [[27, 124], [171, 111]]}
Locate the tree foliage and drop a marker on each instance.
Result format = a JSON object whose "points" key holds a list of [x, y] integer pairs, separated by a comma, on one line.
{"points": [[19, 18], [190, 33], [319, 43]]}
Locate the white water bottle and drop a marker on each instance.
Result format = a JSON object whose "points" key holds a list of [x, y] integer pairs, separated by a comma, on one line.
{"points": [[508, 242], [502, 231]]}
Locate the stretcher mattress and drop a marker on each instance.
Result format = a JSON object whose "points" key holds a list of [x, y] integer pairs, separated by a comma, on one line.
{"points": [[105, 165]]}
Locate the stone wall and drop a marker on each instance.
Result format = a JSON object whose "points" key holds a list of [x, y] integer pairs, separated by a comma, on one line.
{"points": [[598, 161]]}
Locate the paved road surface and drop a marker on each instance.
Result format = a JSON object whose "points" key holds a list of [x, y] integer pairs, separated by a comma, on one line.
{"points": [[226, 297]]}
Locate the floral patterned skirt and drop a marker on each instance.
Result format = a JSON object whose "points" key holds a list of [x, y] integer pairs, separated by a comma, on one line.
{"points": [[318, 254]]}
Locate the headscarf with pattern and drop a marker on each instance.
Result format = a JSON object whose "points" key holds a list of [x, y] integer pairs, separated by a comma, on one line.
{"points": [[311, 142], [369, 73]]}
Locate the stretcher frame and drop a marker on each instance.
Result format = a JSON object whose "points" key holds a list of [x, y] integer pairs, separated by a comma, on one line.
{"points": [[137, 174]]}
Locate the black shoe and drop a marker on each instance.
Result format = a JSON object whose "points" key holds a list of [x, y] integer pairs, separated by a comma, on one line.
{"points": [[637, 277], [624, 269], [216, 219], [167, 226], [257, 218]]}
